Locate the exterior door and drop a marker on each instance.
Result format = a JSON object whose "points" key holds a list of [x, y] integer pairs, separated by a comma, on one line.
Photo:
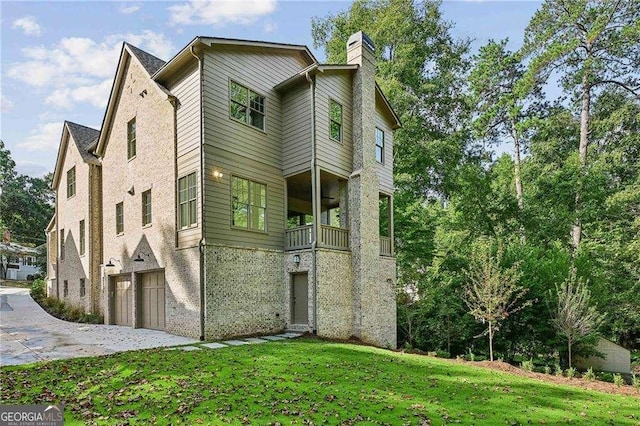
{"points": [[300, 299], [122, 309], [152, 301]]}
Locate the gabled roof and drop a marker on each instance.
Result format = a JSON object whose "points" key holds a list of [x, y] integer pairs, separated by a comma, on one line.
{"points": [[149, 62], [84, 138]]}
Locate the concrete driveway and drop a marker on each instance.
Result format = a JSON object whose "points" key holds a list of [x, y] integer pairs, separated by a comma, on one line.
{"points": [[29, 334]]}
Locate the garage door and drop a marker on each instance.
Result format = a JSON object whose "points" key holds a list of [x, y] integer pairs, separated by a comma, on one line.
{"points": [[122, 300], [152, 300]]}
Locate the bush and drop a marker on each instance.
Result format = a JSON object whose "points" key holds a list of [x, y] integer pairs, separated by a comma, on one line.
{"points": [[571, 372], [443, 354], [635, 381], [38, 290], [618, 380], [558, 370], [527, 365], [59, 309], [547, 369], [589, 375], [605, 377]]}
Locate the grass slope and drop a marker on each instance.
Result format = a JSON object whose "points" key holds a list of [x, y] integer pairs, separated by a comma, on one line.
{"points": [[304, 381]]}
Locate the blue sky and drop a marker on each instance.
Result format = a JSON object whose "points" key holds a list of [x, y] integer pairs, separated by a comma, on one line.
{"points": [[58, 58]]}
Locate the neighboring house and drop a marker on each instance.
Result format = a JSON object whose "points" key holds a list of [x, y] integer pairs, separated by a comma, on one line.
{"points": [[246, 188], [17, 262]]}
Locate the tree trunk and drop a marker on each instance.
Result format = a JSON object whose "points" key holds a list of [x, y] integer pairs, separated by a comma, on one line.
{"points": [[490, 342], [569, 353], [576, 233], [516, 166]]}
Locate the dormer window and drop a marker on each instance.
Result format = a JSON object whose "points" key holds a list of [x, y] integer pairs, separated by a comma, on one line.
{"points": [[246, 106]]}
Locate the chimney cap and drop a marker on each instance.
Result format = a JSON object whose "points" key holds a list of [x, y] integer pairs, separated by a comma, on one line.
{"points": [[361, 37]]}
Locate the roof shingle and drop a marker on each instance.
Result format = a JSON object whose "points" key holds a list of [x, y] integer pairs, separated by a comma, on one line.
{"points": [[84, 137], [150, 63]]}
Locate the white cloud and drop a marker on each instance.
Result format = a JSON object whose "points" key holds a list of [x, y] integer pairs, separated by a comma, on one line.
{"points": [[127, 10], [79, 70], [220, 12], [270, 26], [43, 138], [28, 25], [5, 104]]}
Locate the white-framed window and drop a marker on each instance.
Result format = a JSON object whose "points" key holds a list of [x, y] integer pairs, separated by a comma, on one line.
{"points": [[248, 204], [131, 138], [335, 120], [119, 218], [71, 182], [379, 146], [146, 207], [187, 201], [246, 106]]}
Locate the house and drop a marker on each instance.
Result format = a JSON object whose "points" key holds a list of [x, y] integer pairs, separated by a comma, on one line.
{"points": [[244, 188], [17, 262]]}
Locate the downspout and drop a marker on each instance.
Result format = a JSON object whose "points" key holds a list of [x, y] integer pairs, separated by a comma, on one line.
{"points": [[314, 191], [202, 243]]}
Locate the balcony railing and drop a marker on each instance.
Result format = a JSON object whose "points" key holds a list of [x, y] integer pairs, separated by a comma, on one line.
{"points": [[330, 237], [335, 238], [298, 238], [385, 246]]}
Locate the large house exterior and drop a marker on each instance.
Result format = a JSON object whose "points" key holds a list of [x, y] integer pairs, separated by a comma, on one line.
{"points": [[240, 188]]}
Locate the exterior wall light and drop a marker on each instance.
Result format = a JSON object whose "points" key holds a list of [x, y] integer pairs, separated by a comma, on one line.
{"points": [[218, 174], [296, 259], [110, 263], [139, 257]]}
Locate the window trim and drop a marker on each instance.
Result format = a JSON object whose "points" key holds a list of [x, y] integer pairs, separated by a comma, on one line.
{"points": [[143, 210], [248, 106], [266, 208], [132, 140], [73, 184], [82, 240], [341, 124], [382, 161], [178, 215], [61, 256], [121, 206]]}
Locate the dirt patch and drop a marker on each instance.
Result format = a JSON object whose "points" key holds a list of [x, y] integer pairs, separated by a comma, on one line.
{"points": [[595, 385]]}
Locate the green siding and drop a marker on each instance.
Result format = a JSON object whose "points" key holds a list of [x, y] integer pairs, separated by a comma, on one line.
{"points": [[296, 130], [385, 171]]}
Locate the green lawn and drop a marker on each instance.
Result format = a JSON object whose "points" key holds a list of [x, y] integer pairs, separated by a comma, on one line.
{"points": [[301, 381]]}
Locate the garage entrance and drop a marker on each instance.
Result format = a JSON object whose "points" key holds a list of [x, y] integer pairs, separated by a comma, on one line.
{"points": [[151, 300], [121, 291]]}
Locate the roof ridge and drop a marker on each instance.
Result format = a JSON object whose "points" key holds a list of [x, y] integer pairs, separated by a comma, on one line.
{"points": [[151, 63]]}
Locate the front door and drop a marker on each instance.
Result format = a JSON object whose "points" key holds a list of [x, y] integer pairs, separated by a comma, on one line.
{"points": [[300, 299]]}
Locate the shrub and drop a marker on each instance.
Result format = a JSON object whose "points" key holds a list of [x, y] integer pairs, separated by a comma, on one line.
{"points": [[617, 379], [558, 370], [635, 381], [59, 309], [547, 369], [571, 372], [443, 354], [589, 375], [38, 290], [527, 365], [605, 377]]}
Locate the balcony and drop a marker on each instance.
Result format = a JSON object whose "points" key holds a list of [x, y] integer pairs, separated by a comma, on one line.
{"points": [[298, 238], [330, 237], [385, 246]]}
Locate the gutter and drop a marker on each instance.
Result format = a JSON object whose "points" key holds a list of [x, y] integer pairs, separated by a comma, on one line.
{"points": [[202, 242], [314, 195]]}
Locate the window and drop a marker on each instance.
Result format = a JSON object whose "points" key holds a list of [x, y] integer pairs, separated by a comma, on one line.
{"points": [[62, 244], [65, 289], [71, 182], [131, 138], [246, 105], [335, 120], [249, 204], [82, 238], [119, 218], [83, 289], [187, 201], [379, 146], [146, 208]]}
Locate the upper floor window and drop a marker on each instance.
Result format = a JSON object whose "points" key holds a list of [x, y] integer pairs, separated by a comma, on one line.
{"points": [[131, 138], [249, 204], [71, 182], [119, 218], [187, 201], [146, 207], [379, 146], [246, 105], [82, 238], [62, 244], [335, 120]]}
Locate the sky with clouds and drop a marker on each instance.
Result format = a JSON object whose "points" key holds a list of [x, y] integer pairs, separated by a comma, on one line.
{"points": [[59, 58]]}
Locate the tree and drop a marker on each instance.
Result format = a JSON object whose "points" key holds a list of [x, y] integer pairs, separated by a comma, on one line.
{"points": [[492, 293], [592, 44], [574, 317]]}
